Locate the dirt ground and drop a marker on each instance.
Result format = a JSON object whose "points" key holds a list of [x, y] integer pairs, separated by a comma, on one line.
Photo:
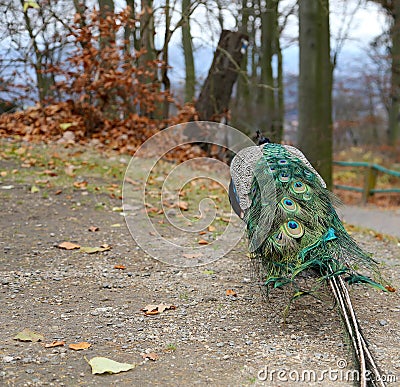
{"points": [[209, 339]]}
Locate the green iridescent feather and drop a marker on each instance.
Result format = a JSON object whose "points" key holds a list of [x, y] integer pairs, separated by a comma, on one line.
{"points": [[293, 227]]}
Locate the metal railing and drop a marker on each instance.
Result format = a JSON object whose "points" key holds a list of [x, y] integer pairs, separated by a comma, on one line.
{"points": [[370, 177]]}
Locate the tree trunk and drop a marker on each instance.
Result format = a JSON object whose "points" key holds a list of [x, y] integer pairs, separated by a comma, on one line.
{"points": [[131, 39], [394, 112], [164, 72], [242, 100], [315, 86], [213, 102], [280, 108], [147, 32], [188, 53], [266, 99], [106, 9], [41, 80]]}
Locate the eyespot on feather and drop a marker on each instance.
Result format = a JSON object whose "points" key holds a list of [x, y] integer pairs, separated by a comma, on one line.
{"points": [[293, 228], [289, 205], [298, 187]]}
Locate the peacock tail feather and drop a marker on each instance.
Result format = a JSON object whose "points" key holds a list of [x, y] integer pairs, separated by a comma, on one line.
{"points": [[293, 227]]}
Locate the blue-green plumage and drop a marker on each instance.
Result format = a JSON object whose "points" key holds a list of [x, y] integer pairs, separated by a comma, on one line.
{"points": [[292, 224], [293, 227]]}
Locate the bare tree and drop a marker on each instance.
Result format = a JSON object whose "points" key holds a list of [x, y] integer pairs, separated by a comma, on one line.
{"points": [[315, 86]]}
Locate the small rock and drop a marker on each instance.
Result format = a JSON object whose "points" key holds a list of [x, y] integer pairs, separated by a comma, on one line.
{"points": [[220, 344], [383, 322], [8, 359]]}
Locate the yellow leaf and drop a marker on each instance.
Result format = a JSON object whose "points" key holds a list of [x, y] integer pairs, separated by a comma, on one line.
{"points": [[28, 335], [101, 365], [30, 4], [66, 125]]}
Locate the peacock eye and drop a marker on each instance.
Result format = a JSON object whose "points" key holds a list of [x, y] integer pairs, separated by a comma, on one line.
{"points": [[282, 162], [298, 187]]}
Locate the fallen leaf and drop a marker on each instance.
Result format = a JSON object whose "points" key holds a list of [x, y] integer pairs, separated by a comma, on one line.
{"points": [[231, 292], [79, 346], [101, 365], [28, 335], [120, 267], [20, 151], [34, 189], [156, 309], [208, 272], [58, 192], [80, 184], [203, 242], [69, 170], [92, 250], [183, 205], [202, 232], [115, 225], [131, 181], [66, 125], [49, 172], [93, 228], [117, 209], [3, 173], [55, 344], [211, 228], [68, 246], [390, 288], [151, 356], [193, 255], [41, 181]]}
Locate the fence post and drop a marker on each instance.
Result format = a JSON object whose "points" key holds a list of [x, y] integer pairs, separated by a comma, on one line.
{"points": [[369, 183]]}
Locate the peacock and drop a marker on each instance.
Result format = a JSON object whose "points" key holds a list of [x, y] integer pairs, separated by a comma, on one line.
{"points": [[293, 229]]}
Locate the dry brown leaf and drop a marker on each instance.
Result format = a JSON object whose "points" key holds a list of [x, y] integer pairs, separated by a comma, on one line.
{"points": [[69, 170], [55, 344], [151, 356], [390, 288], [80, 346], [202, 232], [120, 267], [203, 242], [196, 255], [93, 228], [3, 173], [80, 184], [131, 181], [151, 309], [68, 246], [211, 228], [183, 205], [49, 172], [231, 292], [58, 192]]}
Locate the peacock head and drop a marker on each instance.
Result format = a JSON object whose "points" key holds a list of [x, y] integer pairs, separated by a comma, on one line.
{"points": [[261, 139]]}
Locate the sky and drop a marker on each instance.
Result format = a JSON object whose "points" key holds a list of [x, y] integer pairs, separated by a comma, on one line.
{"points": [[367, 22]]}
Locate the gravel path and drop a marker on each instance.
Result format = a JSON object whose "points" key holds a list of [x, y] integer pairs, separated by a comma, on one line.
{"points": [[209, 339]]}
